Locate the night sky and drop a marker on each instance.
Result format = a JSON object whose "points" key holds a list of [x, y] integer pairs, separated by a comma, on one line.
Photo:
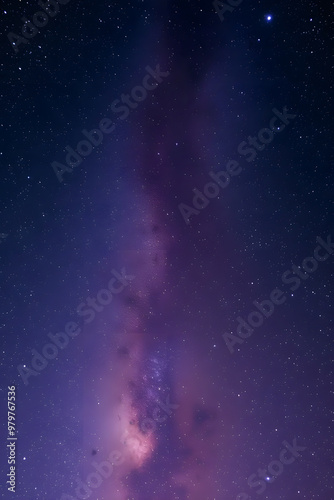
{"points": [[167, 249]]}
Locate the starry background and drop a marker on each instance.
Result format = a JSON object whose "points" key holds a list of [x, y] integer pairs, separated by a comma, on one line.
{"points": [[163, 336]]}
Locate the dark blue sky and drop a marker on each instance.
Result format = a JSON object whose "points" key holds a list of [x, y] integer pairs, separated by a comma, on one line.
{"points": [[164, 296]]}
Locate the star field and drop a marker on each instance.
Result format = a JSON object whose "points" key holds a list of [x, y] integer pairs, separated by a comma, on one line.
{"points": [[166, 252]]}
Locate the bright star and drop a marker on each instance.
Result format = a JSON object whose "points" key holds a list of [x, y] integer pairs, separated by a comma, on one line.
{"points": [[269, 17]]}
